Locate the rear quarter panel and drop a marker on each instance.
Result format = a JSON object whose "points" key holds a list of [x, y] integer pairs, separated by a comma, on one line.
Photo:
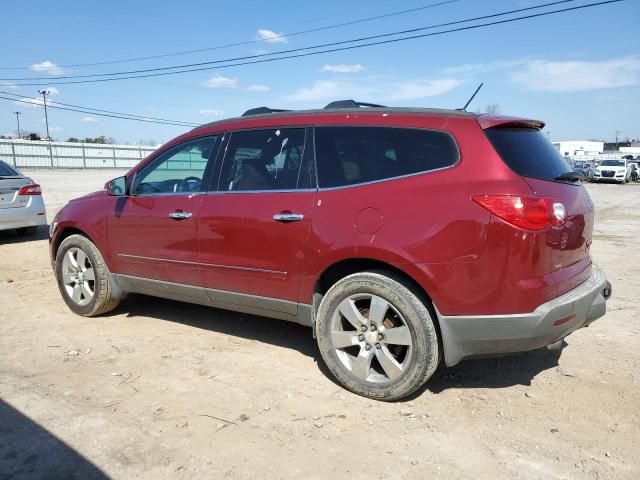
{"points": [[423, 224]]}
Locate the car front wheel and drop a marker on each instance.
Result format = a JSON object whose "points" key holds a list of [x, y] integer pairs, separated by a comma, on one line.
{"points": [[376, 335], [83, 278]]}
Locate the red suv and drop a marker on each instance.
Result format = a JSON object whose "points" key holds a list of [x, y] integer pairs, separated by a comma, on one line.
{"points": [[400, 235]]}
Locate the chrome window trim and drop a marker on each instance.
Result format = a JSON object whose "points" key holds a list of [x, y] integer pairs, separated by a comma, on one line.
{"points": [[215, 265], [290, 190], [371, 182]]}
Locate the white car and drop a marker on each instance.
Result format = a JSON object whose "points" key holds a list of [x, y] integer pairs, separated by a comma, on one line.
{"points": [[21, 204], [612, 171]]}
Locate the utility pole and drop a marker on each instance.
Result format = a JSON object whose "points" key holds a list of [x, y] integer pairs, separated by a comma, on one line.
{"points": [[44, 94], [17, 114], [46, 119], [617, 135], [548, 135]]}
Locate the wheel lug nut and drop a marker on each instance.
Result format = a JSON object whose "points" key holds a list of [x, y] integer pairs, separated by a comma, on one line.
{"points": [[363, 328], [372, 328], [361, 337], [380, 336], [378, 346], [367, 347]]}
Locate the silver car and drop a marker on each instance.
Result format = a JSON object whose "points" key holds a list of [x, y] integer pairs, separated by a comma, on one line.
{"points": [[21, 204]]}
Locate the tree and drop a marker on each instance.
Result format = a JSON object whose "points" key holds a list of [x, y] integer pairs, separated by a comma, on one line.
{"points": [[492, 109], [101, 140], [73, 140]]}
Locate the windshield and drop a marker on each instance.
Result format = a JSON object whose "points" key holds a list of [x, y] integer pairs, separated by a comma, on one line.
{"points": [[612, 163], [7, 171]]}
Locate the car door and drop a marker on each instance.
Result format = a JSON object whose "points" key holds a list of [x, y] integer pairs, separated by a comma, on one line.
{"points": [[153, 230], [255, 225]]}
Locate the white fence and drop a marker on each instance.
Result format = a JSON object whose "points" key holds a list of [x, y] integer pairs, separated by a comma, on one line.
{"points": [[39, 154]]}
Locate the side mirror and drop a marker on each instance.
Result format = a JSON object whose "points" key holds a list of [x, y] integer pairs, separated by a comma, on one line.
{"points": [[116, 187]]}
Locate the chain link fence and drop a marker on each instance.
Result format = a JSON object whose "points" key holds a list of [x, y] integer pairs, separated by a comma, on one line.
{"points": [[42, 154]]}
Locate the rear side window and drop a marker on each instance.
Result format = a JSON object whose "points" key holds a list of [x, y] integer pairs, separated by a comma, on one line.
{"points": [[528, 153], [352, 155], [263, 160], [7, 171]]}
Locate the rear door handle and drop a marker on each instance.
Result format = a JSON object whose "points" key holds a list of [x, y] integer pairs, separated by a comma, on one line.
{"points": [[178, 215], [288, 217]]}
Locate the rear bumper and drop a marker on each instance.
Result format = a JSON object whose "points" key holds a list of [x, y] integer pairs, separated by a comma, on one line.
{"points": [[471, 336], [31, 215]]}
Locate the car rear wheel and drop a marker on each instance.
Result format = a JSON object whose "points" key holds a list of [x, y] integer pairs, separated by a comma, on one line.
{"points": [[83, 278], [377, 336]]}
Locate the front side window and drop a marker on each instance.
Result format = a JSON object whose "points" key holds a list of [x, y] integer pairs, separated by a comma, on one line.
{"points": [[178, 170], [269, 159], [352, 155]]}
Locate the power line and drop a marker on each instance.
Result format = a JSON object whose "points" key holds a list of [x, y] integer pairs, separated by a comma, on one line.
{"points": [[146, 117], [121, 117], [292, 50], [350, 47], [250, 42]]}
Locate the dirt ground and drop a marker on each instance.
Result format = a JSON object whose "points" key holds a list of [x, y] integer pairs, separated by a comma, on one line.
{"points": [[160, 389]]}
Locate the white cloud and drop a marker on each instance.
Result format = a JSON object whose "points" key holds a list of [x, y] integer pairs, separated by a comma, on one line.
{"points": [[8, 85], [258, 88], [219, 81], [575, 76], [210, 112], [330, 90], [270, 36], [48, 67], [373, 90], [478, 68], [343, 68], [53, 91], [421, 89], [89, 120]]}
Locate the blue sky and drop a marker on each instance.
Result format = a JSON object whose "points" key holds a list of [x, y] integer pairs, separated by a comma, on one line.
{"points": [[578, 71]]}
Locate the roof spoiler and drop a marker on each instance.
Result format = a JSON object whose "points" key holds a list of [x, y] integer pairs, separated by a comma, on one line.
{"points": [[490, 121]]}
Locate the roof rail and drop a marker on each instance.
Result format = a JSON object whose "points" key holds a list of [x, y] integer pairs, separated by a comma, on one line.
{"points": [[262, 110], [350, 104]]}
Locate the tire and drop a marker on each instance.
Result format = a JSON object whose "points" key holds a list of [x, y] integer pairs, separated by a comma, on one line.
{"points": [[360, 360], [90, 294], [27, 231]]}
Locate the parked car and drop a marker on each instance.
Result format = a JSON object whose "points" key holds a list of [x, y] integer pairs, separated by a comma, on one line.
{"points": [[612, 170], [584, 168], [401, 236], [635, 171], [21, 204]]}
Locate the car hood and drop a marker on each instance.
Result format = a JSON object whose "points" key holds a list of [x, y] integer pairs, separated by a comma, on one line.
{"points": [[88, 196]]}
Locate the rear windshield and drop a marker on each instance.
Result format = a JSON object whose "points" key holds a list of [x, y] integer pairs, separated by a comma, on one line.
{"points": [[7, 171], [528, 153]]}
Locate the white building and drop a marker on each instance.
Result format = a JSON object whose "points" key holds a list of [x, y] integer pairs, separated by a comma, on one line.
{"points": [[573, 148]]}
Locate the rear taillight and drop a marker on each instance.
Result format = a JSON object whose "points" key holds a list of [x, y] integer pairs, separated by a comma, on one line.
{"points": [[30, 190], [528, 212]]}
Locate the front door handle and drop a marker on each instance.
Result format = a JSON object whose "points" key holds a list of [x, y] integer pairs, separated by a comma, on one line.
{"points": [[179, 215], [288, 217]]}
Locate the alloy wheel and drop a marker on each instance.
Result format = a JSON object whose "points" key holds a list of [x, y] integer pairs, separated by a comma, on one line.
{"points": [[371, 338], [78, 276]]}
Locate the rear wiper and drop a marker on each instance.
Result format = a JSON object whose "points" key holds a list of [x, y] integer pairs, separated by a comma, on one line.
{"points": [[572, 176]]}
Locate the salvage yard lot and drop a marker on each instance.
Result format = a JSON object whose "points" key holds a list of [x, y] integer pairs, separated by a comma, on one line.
{"points": [[161, 389]]}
